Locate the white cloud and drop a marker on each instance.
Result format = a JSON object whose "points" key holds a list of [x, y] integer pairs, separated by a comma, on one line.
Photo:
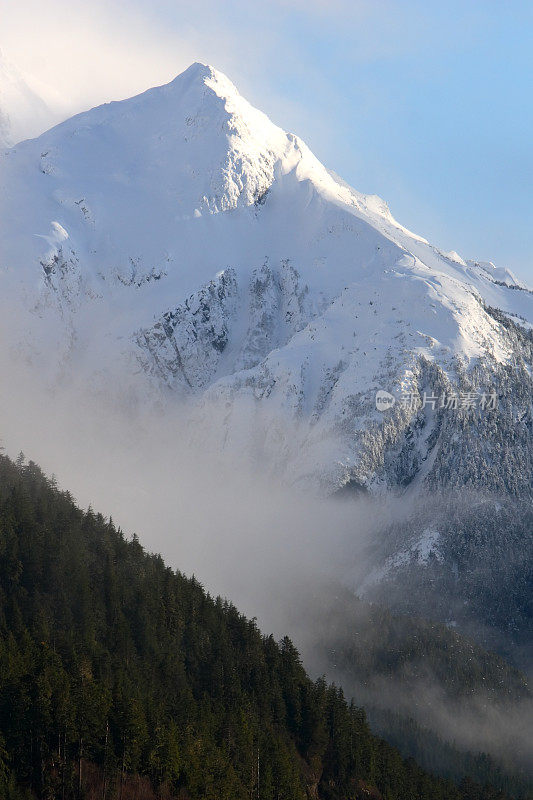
{"points": [[76, 55]]}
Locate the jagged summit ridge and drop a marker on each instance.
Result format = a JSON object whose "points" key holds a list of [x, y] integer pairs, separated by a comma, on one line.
{"points": [[217, 150]]}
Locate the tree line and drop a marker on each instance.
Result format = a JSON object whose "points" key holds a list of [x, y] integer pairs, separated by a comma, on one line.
{"points": [[121, 678]]}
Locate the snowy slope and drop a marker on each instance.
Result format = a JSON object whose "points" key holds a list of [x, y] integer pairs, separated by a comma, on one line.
{"points": [[182, 232]]}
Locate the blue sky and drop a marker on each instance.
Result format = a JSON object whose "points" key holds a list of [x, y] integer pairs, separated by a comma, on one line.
{"points": [[428, 104]]}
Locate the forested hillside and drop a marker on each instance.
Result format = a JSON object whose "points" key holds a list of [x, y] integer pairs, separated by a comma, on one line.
{"points": [[440, 697], [480, 571], [122, 678]]}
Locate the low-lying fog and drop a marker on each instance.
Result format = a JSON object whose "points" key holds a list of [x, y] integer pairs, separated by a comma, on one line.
{"points": [[262, 545]]}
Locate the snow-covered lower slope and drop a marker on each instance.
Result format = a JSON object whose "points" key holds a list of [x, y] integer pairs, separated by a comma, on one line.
{"points": [[182, 240]]}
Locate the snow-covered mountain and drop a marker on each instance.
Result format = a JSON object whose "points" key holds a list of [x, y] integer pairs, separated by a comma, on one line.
{"points": [[181, 239], [23, 113]]}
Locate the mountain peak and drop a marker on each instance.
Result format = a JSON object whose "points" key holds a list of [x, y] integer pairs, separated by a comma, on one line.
{"points": [[201, 85], [200, 76], [198, 71], [224, 258]]}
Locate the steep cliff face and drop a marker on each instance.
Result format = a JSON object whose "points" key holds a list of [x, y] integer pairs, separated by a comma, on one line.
{"points": [[182, 239]]}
